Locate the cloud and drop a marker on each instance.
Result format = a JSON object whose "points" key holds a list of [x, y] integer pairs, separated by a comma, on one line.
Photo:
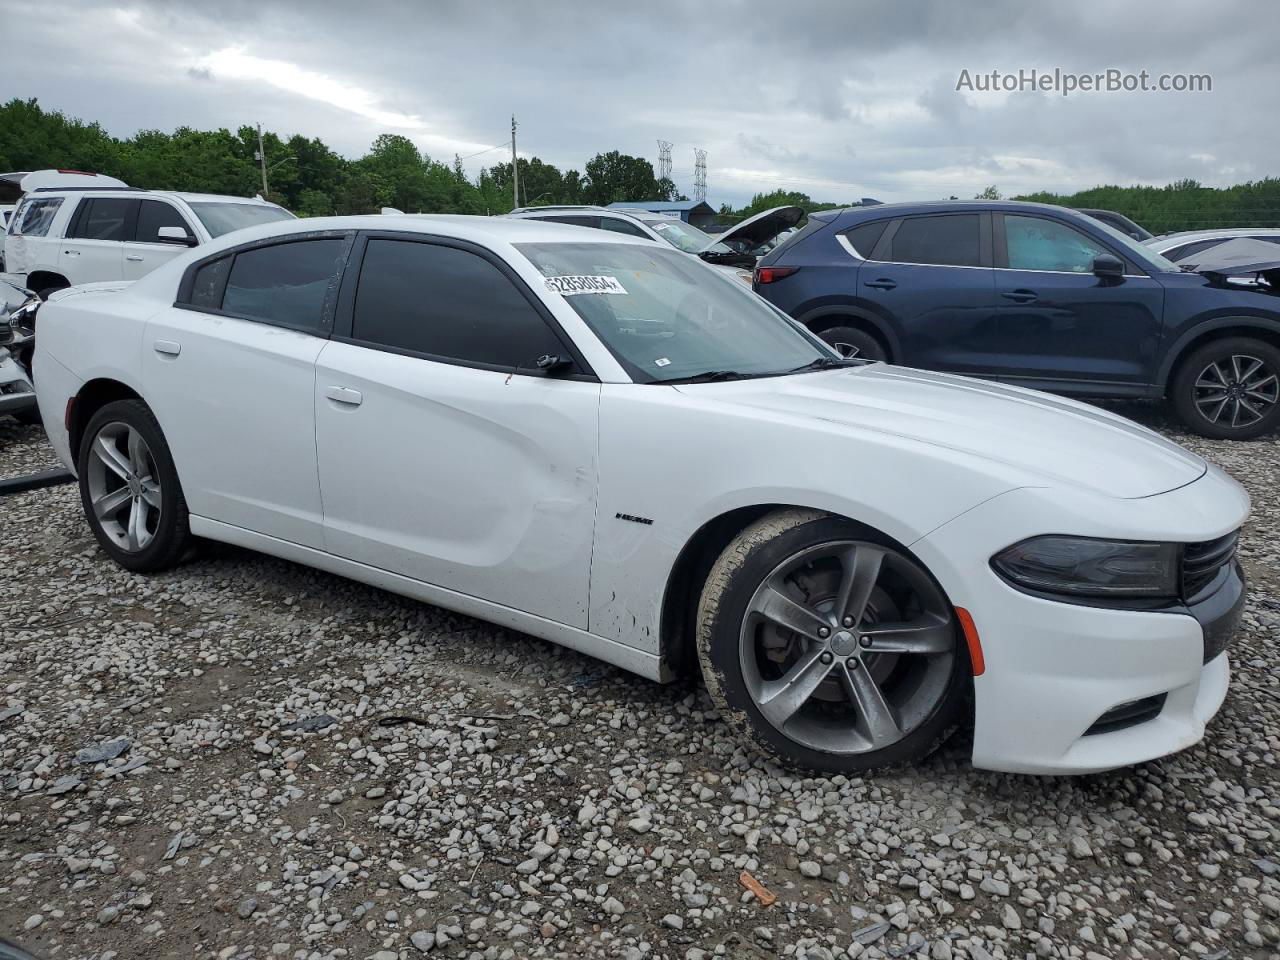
{"points": [[834, 98]]}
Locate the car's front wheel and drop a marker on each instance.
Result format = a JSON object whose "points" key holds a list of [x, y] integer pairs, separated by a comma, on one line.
{"points": [[130, 490], [830, 647], [1229, 389]]}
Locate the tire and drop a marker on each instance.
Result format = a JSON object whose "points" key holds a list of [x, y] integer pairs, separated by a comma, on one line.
{"points": [[855, 343], [745, 655], [1229, 389], [142, 483]]}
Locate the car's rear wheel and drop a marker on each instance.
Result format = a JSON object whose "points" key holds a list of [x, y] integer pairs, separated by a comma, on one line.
{"points": [[130, 490], [854, 343], [829, 646], [1229, 389]]}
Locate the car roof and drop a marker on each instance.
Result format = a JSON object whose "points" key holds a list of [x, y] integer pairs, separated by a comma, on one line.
{"points": [[482, 230], [529, 213], [883, 211], [97, 192]]}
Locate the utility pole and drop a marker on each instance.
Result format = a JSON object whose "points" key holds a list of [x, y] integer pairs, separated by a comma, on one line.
{"points": [[515, 167], [699, 174], [262, 162]]}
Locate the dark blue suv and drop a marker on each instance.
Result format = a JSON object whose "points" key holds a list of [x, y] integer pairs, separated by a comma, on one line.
{"points": [[1036, 295]]}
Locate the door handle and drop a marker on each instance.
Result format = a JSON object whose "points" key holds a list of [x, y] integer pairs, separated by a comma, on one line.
{"points": [[1019, 296], [344, 395], [72, 253], [170, 348], [884, 283], [134, 257]]}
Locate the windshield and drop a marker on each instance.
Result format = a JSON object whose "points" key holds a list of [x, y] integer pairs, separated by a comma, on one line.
{"points": [[219, 218], [666, 317], [684, 236], [1137, 250]]}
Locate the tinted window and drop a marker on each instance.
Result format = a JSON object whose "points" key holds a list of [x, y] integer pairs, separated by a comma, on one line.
{"points": [[1038, 244], [864, 238], [575, 221], [446, 303], [153, 215], [36, 216], [951, 240], [206, 287], [284, 284], [622, 226], [106, 218]]}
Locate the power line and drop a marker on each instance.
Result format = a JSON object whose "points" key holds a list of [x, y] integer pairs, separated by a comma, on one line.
{"points": [[496, 146]]}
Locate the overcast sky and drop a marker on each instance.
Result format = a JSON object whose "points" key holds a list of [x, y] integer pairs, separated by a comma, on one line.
{"points": [[839, 99]]}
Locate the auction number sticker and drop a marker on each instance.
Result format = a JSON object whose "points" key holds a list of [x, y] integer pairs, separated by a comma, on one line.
{"points": [[571, 286]]}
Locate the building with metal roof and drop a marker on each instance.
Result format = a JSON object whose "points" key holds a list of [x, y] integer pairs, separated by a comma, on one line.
{"points": [[697, 212]]}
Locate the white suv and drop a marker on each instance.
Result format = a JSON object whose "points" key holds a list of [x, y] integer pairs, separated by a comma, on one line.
{"points": [[61, 237]]}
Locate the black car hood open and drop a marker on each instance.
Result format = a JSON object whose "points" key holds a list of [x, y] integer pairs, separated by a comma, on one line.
{"points": [[1235, 258]]}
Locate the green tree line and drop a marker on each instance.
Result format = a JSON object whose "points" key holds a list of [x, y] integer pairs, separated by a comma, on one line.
{"points": [[311, 179], [306, 176], [1183, 205]]}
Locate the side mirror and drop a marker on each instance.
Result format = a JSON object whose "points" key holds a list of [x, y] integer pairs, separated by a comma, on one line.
{"points": [[1108, 267], [175, 235], [551, 364]]}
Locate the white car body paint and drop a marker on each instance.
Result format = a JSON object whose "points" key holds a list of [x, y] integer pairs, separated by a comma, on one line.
{"points": [[499, 495]]}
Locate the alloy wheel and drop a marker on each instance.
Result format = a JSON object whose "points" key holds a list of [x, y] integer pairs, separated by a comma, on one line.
{"points": [[847, 647], [124, 489], [1236, 391]]}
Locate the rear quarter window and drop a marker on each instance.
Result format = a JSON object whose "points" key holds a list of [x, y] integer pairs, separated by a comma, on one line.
{"points": [[35, 217], [865, 237]]}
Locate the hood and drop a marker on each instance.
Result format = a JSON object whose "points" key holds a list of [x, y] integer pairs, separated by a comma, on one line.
{"points": [[1058, 440], [1235, 258], [760, 229]]}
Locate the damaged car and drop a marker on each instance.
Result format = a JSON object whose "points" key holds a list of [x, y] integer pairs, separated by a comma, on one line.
{"points": [[594, 439]]}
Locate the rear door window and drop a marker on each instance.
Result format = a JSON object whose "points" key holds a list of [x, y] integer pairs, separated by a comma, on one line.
{"points": [[286, 284], [105, 218], [954, 240]]}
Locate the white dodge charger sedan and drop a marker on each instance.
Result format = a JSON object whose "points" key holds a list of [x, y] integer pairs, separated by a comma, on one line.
{"points": [[595, 440]]}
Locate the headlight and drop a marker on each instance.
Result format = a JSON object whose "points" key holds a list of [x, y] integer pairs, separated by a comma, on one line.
{"points": [[1082, 566]]}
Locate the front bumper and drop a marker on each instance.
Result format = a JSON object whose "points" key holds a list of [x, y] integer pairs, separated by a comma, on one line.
{"points": [[16, 392], [1053, 669]]}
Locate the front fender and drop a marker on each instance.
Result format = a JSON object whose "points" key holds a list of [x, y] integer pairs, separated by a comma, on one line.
{"points": [[1197, 330], [668, 468]]}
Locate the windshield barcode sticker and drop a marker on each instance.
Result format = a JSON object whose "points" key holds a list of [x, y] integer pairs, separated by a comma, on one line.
{"points": [[569, 286]]}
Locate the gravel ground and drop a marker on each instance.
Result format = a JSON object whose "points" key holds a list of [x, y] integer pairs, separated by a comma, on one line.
{"points": [[280, 763]]}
